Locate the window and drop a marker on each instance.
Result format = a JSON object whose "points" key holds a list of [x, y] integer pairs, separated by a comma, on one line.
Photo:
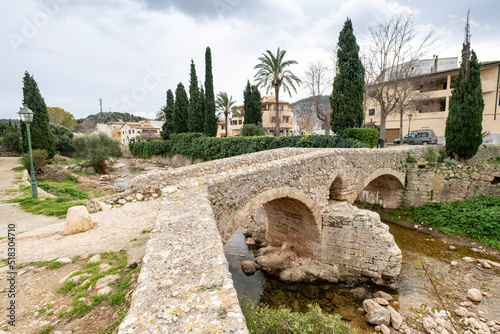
{"points": [[240, 121], [133, 131], [442, 107], [286, 119], [445, 85], [129, 132], [371, 112], [273, 119]]}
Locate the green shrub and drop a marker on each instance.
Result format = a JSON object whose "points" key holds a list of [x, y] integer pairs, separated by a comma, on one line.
{"points": [[478, 218], [196, 146], [262, 320], [409, 158], [368, 136], [97, 149], [249, 130], [40, 159], [432, 155], [63, 139]]}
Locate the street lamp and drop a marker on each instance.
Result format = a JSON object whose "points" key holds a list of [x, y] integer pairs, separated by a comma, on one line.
{"points": [[27, 117], [409, 123]]}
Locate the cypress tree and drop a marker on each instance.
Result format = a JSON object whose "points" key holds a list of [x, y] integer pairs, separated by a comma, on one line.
{"points": [[349, 84], [196, 121], [168, 126], [202, 103], [252, 104], [41, 136], [181, 109], [465, 117], [211, 119]]}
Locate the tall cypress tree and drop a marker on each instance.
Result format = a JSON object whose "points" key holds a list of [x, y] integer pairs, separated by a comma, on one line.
{"points": [[196, 121], [168, 126], [211, 119], [41, 136], [181, 109], [349, 84], [202, 102], [465, 117], [252, 105]]}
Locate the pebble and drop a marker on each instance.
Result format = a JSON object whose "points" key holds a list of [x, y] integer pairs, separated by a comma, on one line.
{"points": [[468, 259], [64, 260], [475, 295], [454, 263], [452, 247]]}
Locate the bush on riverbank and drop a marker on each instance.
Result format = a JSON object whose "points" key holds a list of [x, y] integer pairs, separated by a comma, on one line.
{"points": [[197, 146], [262, 320], [478, 218]]}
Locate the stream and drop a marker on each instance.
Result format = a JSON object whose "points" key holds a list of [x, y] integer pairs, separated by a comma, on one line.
{"points": [[337, 298]]}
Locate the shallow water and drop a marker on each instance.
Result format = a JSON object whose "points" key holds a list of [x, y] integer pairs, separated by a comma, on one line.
{"points": [[412, 290]]}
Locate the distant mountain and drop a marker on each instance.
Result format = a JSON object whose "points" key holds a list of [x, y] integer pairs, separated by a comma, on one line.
{"points": [[110, 117], [304, 108]]}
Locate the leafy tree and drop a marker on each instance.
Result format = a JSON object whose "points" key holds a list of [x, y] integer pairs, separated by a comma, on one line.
{"points": [[62, 117], [63, 139], [274, 73], [464, 123], [168, 126], [41, 137], [11, 137], [252, 104], [196, 121], [226, 105], [349, 84], [97, 148], [181, 109], [248, 130], [211, 119]]}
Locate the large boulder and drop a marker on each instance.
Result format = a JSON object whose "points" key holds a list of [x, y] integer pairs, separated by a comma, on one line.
{"points": [[248, 267], [378, 316], [77, 220]]}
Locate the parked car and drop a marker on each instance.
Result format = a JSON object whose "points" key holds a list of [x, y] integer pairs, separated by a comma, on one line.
{"points": [[419, 137]]}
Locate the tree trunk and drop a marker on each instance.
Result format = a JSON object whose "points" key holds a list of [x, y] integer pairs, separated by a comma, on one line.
{"points": [[401, 134], [382, 126], [225, 115], [277, 128], [327, 123]]}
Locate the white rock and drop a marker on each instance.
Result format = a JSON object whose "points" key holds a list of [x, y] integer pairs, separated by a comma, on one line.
{"points": [[385, 329], [77, 220], [382, 294], [369, 304], [94, 259], [462, 312], [466, 303], [381, 301], [454, 263], [128, 199], [475, 295], [104, 281], [396, 318], [122, 201], [491, 323], [468, 259], [64, 260], [452, 247], [378, 316], [104, 291], [139, 196]]}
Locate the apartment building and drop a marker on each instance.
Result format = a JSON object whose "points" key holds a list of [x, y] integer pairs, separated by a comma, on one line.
{"points": [[140, 131], [436, 80], [288, 126]]}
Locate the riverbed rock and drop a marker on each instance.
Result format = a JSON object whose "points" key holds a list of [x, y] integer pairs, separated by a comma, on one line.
{"points": [[249, 242], [462, 312], [468, 259], [77, 220], [382, 294], [454, 263], [396, 318], [378, 316], [369, 304], [359, 292], [493, 263], [246, 232], [475, 295], [248, 267], [122, 201], [310, 271], [384, 329], [139, 196], [381, 301]]}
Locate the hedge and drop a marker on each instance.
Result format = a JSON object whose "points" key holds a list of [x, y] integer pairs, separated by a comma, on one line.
{"points": [[197, 146], [368, 136]]}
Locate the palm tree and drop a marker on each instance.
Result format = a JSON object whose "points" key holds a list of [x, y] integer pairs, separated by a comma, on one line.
{"points": [[226, 105], [274, 73], [160, 114]]}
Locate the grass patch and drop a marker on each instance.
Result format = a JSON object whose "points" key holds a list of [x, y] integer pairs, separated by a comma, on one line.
{"points": [[262, 320], [67, 189], [18, 169], [46, 330], [49, 206]]}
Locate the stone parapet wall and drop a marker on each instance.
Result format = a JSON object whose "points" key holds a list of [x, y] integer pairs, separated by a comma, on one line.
{"points": [[449, 183], [184, 285]]}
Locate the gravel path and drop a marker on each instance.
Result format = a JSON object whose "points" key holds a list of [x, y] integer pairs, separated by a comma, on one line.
{"points": [[42, 238]]}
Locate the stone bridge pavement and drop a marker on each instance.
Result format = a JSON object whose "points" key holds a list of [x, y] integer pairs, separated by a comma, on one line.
{"points": [[185, 285]]}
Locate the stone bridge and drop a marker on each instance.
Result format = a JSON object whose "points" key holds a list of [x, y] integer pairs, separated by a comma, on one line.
{"points": [[185, 286]]}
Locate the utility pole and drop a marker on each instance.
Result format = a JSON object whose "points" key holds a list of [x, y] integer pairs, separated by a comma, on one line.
{"points": [[100, 102]]}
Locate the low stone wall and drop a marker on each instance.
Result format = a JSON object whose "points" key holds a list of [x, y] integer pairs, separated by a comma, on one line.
{"points": [[450, 183], [184, 285]]}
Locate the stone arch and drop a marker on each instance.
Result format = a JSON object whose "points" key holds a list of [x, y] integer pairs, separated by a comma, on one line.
{"points": [[384, 186], [292, 216], [338, 189]]}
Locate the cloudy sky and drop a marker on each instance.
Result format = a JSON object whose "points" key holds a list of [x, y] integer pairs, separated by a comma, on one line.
{"points": [[129, 52]]}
